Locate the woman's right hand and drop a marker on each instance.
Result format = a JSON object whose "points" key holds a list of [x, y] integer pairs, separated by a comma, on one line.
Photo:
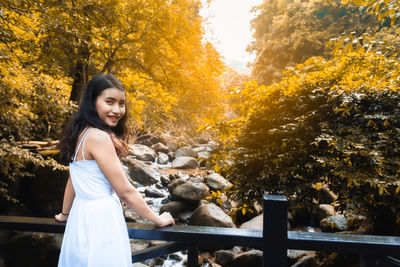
{"points": [[165, 219]]}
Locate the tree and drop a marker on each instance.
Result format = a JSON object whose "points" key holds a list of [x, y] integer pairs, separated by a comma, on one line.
{"points": [[289, 32], [384, 9]]}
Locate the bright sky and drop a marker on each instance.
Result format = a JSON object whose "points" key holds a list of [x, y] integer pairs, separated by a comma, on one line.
{"points": [[228, 27]]}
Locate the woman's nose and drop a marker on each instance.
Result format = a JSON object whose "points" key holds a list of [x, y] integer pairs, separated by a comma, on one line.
{"points": [[116, 109]]}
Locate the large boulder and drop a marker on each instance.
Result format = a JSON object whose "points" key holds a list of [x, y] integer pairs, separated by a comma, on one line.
{"points": [[160, 147], [184, 163], [170, 141], [175, 208], [255, 223], [216, 182], [162, 158], [140, 172], [147, 140], [211, 215], [153, 192], [174, 184], [142, 152], [334, 224], [224, 257], [191, 191], [248, 258], [300, 257], [185, 152]]}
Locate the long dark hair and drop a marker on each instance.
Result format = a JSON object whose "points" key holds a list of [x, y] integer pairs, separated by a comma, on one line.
{"points": [[87, 116]]}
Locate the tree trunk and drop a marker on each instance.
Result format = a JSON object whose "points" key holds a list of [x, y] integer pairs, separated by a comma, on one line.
{"points": [[80, 77]]}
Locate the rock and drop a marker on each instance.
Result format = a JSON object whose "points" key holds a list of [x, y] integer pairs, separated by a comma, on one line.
{"points": [[140, 172], [191, 191], [216, 182], [185, 152], [174, 207], [295, 256], [327, 210], [172, 176], [147, 140], [202, 162], [246, 259], [242, 218], [138, 246], [184, 216], [159, 186], [196, 180], [153, 243], [204, 257], [200, 149], [203, 155], [171, 156], [211, 215], [142, 152], [223, 202], [160, 147], [174, 184], [224, 257], [326, 196], [162, 158], [306, 261], [359, 223], [172, 145], [201, 140], [165, 180], [139, 264], [334, 224], [255, 223], [175, 257], [184, 163], [165, 200], [153, 192]]}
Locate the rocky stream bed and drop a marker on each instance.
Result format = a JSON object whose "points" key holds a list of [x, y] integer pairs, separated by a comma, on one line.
{"points": [[177, 178]]}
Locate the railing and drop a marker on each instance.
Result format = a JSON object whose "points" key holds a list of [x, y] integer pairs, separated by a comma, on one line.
{"points": [[273, 240]]}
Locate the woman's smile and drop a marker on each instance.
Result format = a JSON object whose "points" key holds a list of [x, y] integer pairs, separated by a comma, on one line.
{"points": [[110, 106]]}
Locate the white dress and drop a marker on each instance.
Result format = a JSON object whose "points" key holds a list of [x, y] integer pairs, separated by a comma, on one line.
{"points": [[96, 234]]}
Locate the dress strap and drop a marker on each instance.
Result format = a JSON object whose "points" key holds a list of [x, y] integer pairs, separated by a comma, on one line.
{"points": [[83, 146]]}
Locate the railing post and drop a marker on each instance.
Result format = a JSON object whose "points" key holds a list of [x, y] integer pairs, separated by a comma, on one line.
{"points": [[193, 254], [275, 231]]}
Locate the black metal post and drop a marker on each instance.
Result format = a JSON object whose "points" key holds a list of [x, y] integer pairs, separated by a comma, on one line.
{"points": [[368, 261], [193, 254], [275, 231]]}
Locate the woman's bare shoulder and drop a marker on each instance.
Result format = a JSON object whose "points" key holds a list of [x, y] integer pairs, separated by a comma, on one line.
{"points": [[98, 136]]}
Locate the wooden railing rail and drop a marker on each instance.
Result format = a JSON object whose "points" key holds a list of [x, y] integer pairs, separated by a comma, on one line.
{"points": [[274, 239]]}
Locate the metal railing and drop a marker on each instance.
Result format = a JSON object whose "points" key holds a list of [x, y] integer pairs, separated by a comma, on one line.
{"points": [[273, 240]]}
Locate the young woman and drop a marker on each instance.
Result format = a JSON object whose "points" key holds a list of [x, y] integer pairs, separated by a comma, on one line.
{"points": [[92, 143]]}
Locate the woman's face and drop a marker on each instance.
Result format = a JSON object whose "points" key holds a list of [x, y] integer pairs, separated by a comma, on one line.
{"points": [[110, 106]]}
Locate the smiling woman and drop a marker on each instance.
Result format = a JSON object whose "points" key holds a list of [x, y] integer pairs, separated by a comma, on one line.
{"points": [[96, 233]]}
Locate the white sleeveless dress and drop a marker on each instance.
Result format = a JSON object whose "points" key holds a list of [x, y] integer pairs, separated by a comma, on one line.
{"points": [[96, 234]]}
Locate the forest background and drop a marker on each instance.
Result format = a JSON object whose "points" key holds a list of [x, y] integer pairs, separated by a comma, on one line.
{"points": [[321, 106]]}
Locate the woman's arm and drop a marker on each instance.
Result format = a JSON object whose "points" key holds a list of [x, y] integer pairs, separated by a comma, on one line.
{"points": [[69, 195], [100, 147]]}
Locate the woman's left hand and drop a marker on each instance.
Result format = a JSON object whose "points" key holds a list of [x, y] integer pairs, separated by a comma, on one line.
{"points": [[61, 217]]}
